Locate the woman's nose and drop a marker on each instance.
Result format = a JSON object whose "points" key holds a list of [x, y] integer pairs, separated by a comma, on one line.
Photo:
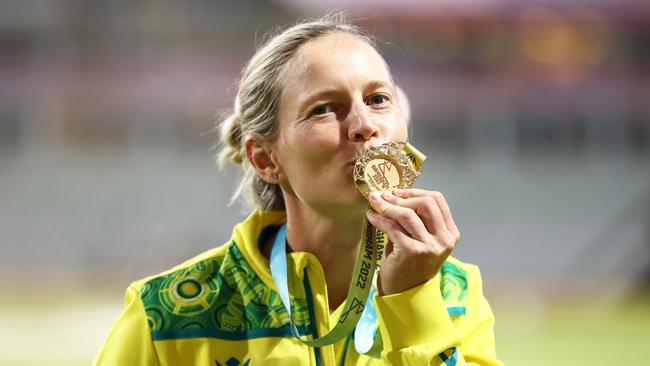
{"points": [[362, 126]]}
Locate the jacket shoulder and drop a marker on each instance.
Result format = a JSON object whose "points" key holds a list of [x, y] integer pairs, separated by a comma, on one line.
{"points": [[216, 294]]}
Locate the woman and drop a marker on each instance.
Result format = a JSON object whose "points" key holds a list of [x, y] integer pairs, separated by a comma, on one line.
{"points": [[310, 102]]}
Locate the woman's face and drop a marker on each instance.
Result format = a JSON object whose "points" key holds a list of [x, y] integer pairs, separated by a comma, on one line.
{"points": [[338, 99]]}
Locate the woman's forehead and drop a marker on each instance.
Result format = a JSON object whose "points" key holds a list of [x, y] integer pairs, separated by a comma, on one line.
{"points": [[337, 56]]}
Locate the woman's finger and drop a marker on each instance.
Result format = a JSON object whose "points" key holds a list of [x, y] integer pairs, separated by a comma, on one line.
{"points": [[426, 207], [393, 230], [441, 201], [404, 216]]}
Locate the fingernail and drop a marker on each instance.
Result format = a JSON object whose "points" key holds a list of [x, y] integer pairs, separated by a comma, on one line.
{"points": [[374, 196], [398, 191]]}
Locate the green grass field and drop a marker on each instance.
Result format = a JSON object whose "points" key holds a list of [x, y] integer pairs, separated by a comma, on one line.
{"points": [[575, 333], [68, 330]]}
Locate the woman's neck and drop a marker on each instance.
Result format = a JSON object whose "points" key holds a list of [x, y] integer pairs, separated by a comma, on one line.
{"points": [[333, 237]]}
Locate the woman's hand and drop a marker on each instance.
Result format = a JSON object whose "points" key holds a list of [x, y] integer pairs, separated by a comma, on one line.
{"points": [[421, 234]]}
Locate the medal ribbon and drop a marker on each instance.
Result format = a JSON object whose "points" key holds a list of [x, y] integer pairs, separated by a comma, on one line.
{"points": [[358, 303]]}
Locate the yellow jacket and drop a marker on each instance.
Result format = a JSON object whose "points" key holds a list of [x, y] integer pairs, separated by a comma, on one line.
{"points": [[221, 308]]}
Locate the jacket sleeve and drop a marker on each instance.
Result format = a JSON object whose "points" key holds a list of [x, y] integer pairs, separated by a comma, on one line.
{"points": [[129, 341], [417, 329]]}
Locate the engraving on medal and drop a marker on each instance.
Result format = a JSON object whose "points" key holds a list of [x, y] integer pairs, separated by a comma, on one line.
{"points": [[382, 175], [384, 168]]}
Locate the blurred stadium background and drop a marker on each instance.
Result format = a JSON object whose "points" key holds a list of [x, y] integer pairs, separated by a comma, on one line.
{"points": [[535, 116]]}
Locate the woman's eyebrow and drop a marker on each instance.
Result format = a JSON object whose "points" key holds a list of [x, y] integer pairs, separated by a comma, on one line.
{"points": [[378, 84]]}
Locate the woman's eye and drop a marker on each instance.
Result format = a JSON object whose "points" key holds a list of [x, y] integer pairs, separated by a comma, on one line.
{"points": [[321, 109], [377, 99]]}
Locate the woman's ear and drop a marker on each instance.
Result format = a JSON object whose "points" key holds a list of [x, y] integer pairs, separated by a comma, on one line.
{"points": [[260, 155]]}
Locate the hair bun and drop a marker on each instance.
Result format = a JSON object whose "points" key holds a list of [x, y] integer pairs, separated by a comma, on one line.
{"points": [[231, 139]]}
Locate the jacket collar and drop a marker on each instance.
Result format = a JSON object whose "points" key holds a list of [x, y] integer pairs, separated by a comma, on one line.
{"points": [[248, 237]]}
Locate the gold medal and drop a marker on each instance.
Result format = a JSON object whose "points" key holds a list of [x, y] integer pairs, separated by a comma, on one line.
{"points": [[394, 165]]}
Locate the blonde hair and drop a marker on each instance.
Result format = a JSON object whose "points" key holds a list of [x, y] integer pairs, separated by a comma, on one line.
{"points": [[258, 98]]}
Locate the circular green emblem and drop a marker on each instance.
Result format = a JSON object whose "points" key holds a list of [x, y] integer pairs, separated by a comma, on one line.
{"points": [[186, 296]]}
